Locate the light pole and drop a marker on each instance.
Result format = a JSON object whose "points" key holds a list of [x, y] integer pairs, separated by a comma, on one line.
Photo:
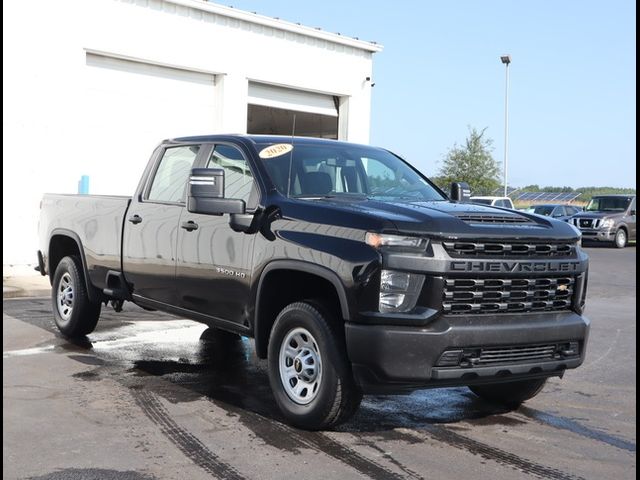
{"points": [[506, 59]]}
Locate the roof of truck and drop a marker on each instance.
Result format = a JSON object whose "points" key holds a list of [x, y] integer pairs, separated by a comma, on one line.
{"points": [[263, 139]]}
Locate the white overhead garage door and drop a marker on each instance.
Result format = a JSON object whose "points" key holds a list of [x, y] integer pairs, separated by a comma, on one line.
{"points": [[129, 108], [290, 99]]}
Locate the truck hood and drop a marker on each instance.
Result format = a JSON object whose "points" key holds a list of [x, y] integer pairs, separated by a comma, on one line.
{"points": [[444, 219], [599, 215]]}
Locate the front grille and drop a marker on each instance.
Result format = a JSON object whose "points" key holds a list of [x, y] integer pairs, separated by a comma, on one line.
{"points": [[505, 295], [490, 356], [491, 218], [508, 249], [509, 354], [587, 222]]}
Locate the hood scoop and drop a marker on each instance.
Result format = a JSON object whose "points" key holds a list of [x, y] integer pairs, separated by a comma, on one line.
{"points": [[491, 218]]}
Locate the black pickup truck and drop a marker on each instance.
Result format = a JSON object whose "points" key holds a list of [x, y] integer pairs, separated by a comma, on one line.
{"points": [[351, 270]]}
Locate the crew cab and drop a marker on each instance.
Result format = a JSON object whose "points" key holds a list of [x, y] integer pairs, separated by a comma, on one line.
{"points": [[352, 272]]}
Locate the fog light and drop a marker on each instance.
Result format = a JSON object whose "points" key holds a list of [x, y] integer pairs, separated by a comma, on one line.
{"points": [[571, 349], [450, 358]]}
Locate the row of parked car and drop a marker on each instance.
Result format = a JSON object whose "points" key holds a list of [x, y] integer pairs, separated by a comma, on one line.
{"points": [[606, 218]]}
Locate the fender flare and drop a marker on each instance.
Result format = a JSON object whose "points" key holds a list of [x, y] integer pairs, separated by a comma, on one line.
{"points": [[300, 266], [63, 232]]}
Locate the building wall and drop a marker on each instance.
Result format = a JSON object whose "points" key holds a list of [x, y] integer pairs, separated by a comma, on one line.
{"points": [[63, 115]]}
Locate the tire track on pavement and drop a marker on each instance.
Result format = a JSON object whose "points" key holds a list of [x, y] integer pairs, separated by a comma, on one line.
{"points": [[281, 436], [187, 443], [495, 454], [577, 428]]}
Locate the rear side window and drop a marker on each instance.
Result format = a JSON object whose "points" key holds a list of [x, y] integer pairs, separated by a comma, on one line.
{"points": [[170, 181]]}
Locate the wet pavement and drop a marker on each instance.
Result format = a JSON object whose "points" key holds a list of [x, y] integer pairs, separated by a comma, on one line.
{"points": [[149, 396]]}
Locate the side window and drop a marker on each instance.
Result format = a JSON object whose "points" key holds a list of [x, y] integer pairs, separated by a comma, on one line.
{"points": [[559, 212], [238, 179], [170, 180], [633, 206]]}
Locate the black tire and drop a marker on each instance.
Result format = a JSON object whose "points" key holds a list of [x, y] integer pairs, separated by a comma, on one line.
{"points": [[75, 315], [511, 394], [620, 238], [337, 397]]}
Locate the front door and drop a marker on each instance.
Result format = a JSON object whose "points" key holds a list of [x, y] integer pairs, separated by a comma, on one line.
{"points": [[631, 220], [214, 262], [151, 227]]}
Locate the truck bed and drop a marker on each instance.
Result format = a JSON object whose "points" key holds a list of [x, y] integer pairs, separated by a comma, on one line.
{"points": [[96, 221]]}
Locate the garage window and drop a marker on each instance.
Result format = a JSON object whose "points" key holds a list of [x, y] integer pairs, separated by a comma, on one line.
{"points": [[271, 111]]}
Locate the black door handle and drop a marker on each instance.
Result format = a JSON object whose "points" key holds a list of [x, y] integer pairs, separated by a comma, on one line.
{"points": [[189, 226], [135, 219]]}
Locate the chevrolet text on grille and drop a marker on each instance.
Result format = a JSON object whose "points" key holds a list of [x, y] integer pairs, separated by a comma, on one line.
{"points": [[472, 266]]}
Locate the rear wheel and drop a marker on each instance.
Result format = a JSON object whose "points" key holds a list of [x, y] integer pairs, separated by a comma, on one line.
{"points": [[308, 368], [75, 315], [511, 394], [621, 238]]}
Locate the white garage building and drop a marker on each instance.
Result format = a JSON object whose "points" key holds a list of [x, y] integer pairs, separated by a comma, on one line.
{"points": [[91, 87]]}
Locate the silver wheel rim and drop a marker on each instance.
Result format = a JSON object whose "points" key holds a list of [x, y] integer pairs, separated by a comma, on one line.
{"points": [[65, 297], [300, 366], [620, 238]]}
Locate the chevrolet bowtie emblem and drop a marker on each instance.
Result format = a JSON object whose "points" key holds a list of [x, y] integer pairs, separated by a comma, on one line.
{"points": [[562, 288]]}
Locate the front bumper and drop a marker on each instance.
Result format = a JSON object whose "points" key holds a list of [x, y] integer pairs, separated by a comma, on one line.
{"points": [[395, 358], [598, 235]]}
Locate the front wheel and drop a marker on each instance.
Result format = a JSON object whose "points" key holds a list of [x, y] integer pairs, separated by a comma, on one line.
{"points": [[621, 238], [511, 394], [308, 368], [74, 313]]}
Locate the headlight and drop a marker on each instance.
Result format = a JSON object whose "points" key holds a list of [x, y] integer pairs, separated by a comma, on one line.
{"points": [[399, 291], [607, 223], [377, 240]]}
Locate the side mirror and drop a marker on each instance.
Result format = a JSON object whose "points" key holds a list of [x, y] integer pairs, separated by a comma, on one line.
{"points": [[632, 213], [206, 193], [460, 192]]}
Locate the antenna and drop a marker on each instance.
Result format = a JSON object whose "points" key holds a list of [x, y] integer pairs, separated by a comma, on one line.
{"points": [[293, 133]]}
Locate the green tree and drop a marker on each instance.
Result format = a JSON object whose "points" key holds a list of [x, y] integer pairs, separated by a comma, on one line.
{"points": [[471, 163]]}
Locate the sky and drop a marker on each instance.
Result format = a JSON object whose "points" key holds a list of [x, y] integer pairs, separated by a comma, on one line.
{"points": [[572, 86]]}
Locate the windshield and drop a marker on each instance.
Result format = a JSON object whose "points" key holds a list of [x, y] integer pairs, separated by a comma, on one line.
{"points": [[608, 204], [543, 210], [344, 170]]}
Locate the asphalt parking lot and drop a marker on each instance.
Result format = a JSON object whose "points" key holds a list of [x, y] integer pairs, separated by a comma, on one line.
{"points": [[147, 396]]}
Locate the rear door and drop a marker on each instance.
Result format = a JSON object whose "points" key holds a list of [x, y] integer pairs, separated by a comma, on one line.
{"points": [[214, 262], [151, 227]]}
